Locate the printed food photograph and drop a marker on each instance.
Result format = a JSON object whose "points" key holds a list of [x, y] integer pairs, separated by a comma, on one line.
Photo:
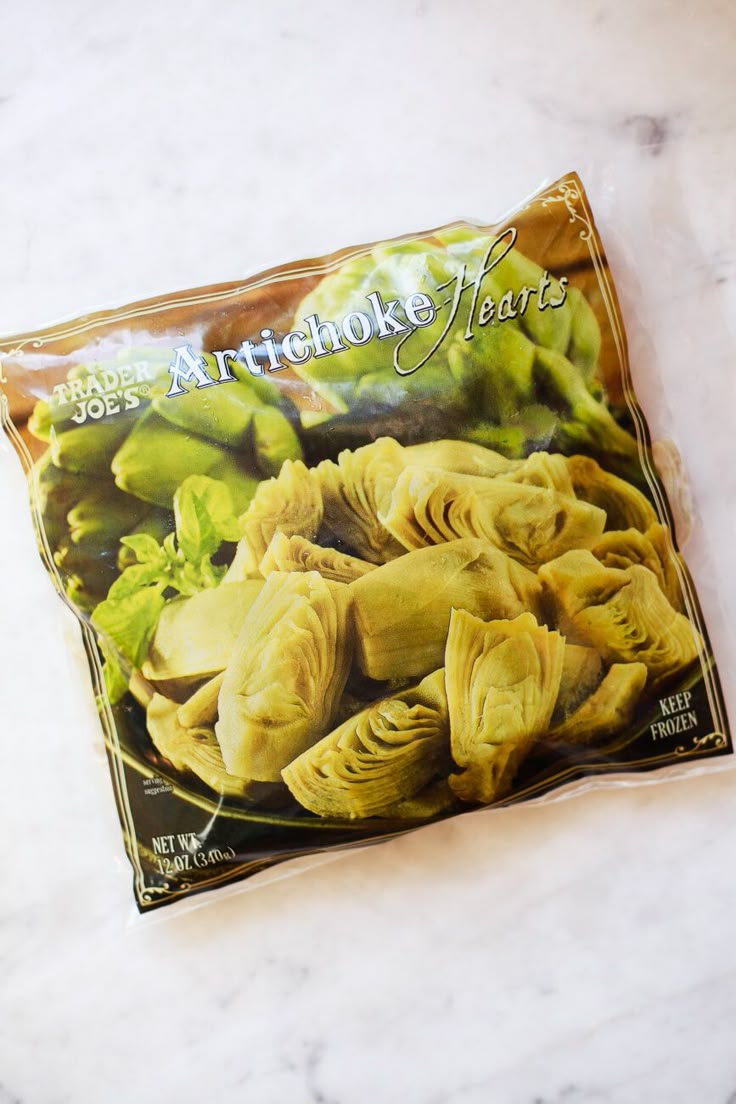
{"points": [[374, 540]]}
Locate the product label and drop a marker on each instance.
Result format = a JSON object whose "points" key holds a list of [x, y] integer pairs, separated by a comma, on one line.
{"points": [[363, 543], [379, 320], [102, 393]]}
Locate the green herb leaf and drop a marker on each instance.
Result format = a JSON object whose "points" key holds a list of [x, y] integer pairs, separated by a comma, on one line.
{"points": [[145, 548], [129, 622], [135, 577], [203, 509], [127, 618]]}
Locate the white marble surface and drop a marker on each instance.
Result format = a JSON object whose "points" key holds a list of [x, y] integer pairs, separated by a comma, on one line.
{"points": [[561, 954]]}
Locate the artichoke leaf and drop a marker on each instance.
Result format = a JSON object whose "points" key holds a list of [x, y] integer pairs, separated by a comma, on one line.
{"points": [[154, 460], [274, 440], [104, 514], [89, 449], [582, 672], [589, 421], [543, 469], [56, 492], [512, 272], [434, 799], [235, 415], [463, 457], [221, 414], [585, 335]]}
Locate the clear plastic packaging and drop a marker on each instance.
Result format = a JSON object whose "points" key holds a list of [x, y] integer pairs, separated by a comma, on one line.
{"points": [[368, 541]]}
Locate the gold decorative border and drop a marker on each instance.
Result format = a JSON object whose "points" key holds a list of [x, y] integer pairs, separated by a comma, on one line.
{"points": [[566, 188], [712, 741]]}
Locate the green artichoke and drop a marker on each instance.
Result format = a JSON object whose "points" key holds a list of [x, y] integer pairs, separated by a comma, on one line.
{"points": [[109, 471], [514, 376]]}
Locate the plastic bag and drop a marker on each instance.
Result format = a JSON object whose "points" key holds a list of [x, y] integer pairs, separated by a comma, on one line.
{"points": [[362, 543]]}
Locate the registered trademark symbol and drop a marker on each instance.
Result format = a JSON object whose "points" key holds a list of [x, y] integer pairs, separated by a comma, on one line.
{"points": [[144, 389]]}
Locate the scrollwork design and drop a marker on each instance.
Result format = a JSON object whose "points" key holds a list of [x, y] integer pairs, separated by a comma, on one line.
{"points": [[712, 741], [569, 194], [18, 351]]}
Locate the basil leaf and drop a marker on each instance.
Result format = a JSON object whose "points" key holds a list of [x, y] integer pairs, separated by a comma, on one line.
{"points": [[135, 577], [129, 622], [203, 510], [170, 552], [145, 548]]}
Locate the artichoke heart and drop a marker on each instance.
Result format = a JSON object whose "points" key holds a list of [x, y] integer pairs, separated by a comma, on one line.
{"points": [[193, 749], [289, 503], [386, 754], [582, 671], [608, 710], [623, 614], [298, 554], [402, 610], [434, 799], [543, 469], [652, 549], [195, 636], [201, 708], [287, 672], [529, 523], [355, 490], [625, 505], [502, 679], [463, 457]]}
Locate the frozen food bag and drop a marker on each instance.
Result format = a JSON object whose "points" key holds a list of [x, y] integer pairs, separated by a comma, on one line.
{"points": [[361, 543]]}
